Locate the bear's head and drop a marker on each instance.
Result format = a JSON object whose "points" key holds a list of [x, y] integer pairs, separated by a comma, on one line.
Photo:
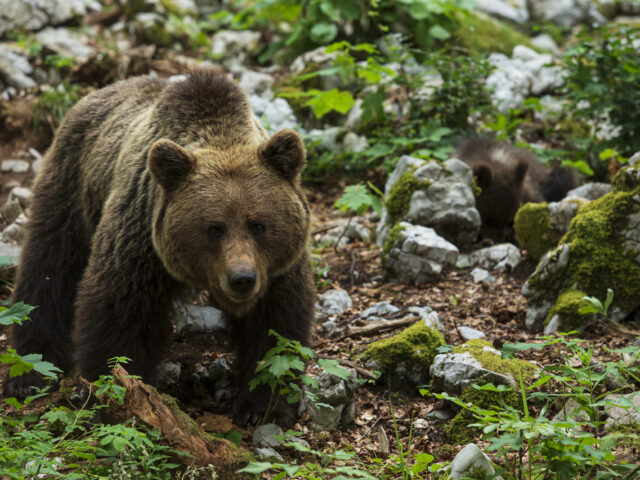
{"points": [[230, 220]]}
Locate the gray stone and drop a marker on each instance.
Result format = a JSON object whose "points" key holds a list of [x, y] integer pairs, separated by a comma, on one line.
{"points": [[571, 410], [275, 114], [590, 191], [199, 319], [35, 14], [268, 454], [469, 333], [446, 204], [22, 195], [36, 165], [168, 374], [441, 415], [334, 302], [257, 83], [504, 256], [380, 308], [430, 318], [345, 231], [468, 460], [546, 42], [66, 42], [9, 254], [480, 275], [233, 46], [14, 166], [15, 68], [15, 232], [525, 74], [352, 143], [264, 436], [319, 57], [619, 416], [552, 325], [330, 329], [419, 255], [510, 10], [11, 210], [567, 12], [337, 397], [454, 372]]}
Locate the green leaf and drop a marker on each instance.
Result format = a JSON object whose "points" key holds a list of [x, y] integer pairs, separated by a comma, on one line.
{"points": [[323, 32], [324, 102], [436, 31], [256, 468], [356, 198], [332, 367], [17, 313]]}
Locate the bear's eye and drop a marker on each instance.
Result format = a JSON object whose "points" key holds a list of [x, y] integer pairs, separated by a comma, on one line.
{"points": [[256, 228], [215, 232]]}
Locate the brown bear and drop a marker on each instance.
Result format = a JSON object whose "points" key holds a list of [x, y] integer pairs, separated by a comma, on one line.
{"points": [[508, 177], [148, 188]]}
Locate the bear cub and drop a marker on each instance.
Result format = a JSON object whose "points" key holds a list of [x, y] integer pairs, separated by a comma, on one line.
{"points": [[149, 188], [509, 177]]}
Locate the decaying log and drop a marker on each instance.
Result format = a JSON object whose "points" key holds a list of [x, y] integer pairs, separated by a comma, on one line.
{"points": [[145, 404]]}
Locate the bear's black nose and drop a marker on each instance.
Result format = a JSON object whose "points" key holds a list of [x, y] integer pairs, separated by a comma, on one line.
{"points": [[242, 282]]}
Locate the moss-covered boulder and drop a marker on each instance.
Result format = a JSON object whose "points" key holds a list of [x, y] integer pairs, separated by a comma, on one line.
{"points": [[479, 33], [539, 226], [431, 194], [476, 361], [601, 250], [407, 356]]}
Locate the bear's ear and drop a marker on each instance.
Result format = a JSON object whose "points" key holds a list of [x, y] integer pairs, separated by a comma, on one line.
{"points": [[483, 174], [521, 170], [285, 153], [169, 163]]}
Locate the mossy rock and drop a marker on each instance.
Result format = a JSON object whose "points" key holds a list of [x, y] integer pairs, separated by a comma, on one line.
{"points": [[394, 236], [480, 33], [604, 252], [415, 347], [534, 230], [399, 198], [483, 351]]}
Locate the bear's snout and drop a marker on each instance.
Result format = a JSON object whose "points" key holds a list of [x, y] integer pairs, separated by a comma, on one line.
{"points": [[242, 281]]}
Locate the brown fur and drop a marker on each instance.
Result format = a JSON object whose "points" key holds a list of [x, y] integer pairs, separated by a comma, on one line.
{"points": [[509, 176], [150, 187]]}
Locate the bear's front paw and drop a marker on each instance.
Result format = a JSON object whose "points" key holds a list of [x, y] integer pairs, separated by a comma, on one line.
{"points": [[23, 386]]}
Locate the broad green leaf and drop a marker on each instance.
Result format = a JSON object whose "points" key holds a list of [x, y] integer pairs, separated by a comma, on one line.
{"points": [[436, 31], [323, 32], [332, 367], [256, 468], [17, 313]]}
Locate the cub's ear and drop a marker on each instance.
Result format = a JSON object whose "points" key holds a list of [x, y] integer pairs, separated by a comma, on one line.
{"points": [[169, 163], [483, 174], [521, 170], [285, 153]]}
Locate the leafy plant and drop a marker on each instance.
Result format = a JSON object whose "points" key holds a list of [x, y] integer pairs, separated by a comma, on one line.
{"points": [[358, 198], [532, 446], [53, 104], [602, 82], [283, 367]]}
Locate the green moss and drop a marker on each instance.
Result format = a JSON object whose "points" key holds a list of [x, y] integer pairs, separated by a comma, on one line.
{"points": [[415, 345], [475, 187], [400, 195], [597, 261], [625, 180], [480, 33], [568, 306], [394, 236], [494, 362], [187, 423], [534, 230], [458, 430]]}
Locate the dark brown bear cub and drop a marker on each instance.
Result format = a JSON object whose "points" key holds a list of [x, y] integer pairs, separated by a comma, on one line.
{"points": [[508, 177], [150, 187]]}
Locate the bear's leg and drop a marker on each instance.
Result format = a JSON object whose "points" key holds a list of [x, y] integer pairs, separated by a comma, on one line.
{"points": [[287, 308], [52, 260], [125, 296]]}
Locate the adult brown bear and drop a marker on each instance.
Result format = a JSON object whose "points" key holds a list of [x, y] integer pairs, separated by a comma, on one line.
{"points": [[150, 187]]}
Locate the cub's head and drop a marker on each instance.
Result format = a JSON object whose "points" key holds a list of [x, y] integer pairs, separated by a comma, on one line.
{"points": [[502, 186], [229, 220]]}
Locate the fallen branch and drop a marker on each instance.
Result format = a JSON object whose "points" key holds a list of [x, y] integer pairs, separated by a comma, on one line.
{"points": [[144, 403], [375, 327], [617, 328], [363, 372]]}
